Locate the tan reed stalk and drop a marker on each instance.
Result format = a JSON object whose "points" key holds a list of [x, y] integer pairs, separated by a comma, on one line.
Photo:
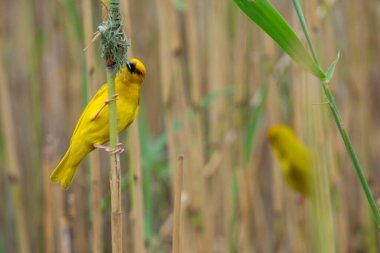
{"points": [[97, 228], [130, 228], [47, 208], [322, 222], [2, 78], [174, 99], [240, 98], [77, 222], [359, 69], [252, 177], [176, 233], [218, 74], [296, 212], [195, 50], [219, 121], [310, 122], [334, 149], [115, 173], [137, 197], [13, 173], [52, 106], [164, 47], [133, 140], [112, 63], [252, 214], [97, 236], [311, 127], [274, 115]]}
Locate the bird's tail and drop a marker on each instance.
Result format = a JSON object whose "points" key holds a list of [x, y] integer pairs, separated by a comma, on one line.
{"points": [[62, 173]]}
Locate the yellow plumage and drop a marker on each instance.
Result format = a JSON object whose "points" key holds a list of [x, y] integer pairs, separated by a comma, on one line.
{"points": [[294, 158], [93, 125]]}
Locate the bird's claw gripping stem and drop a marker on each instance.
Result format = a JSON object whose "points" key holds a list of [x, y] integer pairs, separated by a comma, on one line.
{"points": [[114, 98], [119, 148]]}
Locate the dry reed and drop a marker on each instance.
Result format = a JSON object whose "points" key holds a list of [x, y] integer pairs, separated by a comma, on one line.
{"points": [[176, 233]]}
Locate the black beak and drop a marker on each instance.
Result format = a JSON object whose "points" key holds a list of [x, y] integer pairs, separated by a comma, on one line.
{"points": [[131, 66]]}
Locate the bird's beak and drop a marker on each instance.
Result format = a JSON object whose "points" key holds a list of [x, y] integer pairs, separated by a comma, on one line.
{"points": [[131, 66]]}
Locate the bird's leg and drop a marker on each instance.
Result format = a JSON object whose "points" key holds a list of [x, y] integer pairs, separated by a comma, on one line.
{"points": [[119, 148], [114, 98], [106, 148]]}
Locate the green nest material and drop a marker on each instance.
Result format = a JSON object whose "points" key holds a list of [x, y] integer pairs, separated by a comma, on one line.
{"points": [[114, 43]]}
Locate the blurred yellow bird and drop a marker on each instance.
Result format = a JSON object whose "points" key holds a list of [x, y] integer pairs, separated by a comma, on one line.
{"points": [[294, 158], [92, 129]]}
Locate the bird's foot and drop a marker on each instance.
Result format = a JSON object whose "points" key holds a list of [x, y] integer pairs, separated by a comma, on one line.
{"points": [[119, 148], [114, 98]]}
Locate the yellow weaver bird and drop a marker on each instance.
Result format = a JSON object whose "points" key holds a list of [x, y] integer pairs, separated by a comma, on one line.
{"points": [[92, 129], [294, 158]]}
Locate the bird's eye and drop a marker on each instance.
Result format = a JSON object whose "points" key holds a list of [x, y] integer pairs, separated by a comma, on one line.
{"points": [[138, 72], [131, 66]]}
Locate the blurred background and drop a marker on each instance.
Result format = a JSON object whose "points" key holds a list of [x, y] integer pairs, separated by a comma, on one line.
{"points": [[215, 84]]}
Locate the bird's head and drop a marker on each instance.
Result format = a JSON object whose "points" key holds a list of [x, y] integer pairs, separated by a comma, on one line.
{"points": [[134, 72], [279, 135]]}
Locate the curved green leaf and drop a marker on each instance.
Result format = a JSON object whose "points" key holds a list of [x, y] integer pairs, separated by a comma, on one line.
{"points": [[267, 17]]}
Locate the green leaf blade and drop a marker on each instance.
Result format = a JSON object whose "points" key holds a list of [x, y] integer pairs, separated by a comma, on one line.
{"points": [[253, 124], [330, 71], [267, 18]]}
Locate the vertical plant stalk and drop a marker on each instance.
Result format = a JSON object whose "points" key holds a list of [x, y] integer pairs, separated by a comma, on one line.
{"points": [[137, 180], [13, 165], [114, 52], [115, 186], [97, 240], [351, 152], [176, 248], [136, 190], [97, 234]]}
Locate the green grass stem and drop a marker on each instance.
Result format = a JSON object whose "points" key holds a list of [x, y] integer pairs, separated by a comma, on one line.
{"points": [[301, 17], [351, 152]]}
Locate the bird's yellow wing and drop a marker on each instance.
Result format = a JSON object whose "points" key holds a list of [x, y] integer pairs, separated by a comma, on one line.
{"points": [[101, 92]]}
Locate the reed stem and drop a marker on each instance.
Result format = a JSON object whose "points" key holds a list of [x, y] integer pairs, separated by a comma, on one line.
{"points": [[115, 186], [114, 52], [96, 215], [177, 207], [13, 164]]}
